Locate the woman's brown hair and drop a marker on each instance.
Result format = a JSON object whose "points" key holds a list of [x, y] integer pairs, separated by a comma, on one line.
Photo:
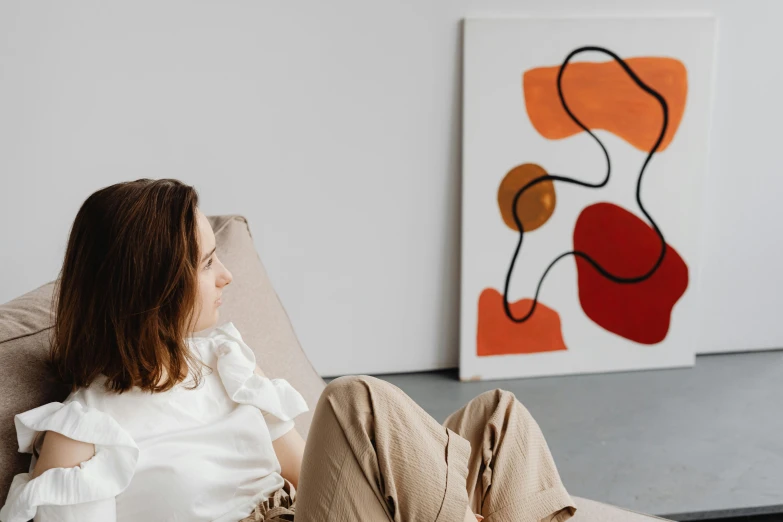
{"points": [[126, 294]]}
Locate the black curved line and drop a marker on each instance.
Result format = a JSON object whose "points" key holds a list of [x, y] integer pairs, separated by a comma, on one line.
{"points": [[577, 253]]}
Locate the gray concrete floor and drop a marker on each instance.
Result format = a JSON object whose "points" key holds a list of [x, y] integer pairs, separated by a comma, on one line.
{"points": [[689, 441]]}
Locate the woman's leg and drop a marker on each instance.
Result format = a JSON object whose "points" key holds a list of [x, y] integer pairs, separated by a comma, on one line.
{"points": [[512, 474], [373, 454]]}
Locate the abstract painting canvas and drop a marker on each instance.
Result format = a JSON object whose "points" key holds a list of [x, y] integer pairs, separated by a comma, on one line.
{"points": [[584, 160]]}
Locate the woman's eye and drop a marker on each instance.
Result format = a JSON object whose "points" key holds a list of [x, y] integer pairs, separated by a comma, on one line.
{"points": [[210, 263]]}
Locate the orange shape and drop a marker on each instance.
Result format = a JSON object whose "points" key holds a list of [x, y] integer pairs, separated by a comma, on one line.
{"points": [[535, 205], [603, 96], [499, 335]]}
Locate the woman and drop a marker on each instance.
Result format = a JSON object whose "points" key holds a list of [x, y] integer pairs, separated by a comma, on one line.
{"points": [[164, 425]]}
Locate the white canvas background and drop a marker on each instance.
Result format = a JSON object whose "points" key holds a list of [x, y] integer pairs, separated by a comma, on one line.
{"points": [[498, 136]]}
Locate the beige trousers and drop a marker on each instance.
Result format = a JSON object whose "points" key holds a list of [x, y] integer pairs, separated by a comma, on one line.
{"points": [[373, 454]]}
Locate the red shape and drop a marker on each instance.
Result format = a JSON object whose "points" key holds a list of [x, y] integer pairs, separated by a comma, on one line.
{"points": [[626, 246], [499, 335]]}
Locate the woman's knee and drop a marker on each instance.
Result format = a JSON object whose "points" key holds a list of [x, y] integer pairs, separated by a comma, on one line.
{"points": [[497, 396], [501, 399], [348, 385]]}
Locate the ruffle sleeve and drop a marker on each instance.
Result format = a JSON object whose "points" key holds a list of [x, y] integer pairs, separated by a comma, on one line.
{"points": [[89, 488], [236, 364]]}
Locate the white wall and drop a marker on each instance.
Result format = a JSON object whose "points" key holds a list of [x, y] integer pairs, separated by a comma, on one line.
{"points": [[335, 128]]}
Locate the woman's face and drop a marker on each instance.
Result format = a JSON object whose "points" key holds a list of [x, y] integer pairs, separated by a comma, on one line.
{"points": [[212, 276]]}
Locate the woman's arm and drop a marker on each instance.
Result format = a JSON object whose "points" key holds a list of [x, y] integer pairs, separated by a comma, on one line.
{"points": [[59, 451], [289, 449]]}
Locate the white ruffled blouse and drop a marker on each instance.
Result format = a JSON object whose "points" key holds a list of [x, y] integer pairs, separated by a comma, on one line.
{"points": [[191, 455]]}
